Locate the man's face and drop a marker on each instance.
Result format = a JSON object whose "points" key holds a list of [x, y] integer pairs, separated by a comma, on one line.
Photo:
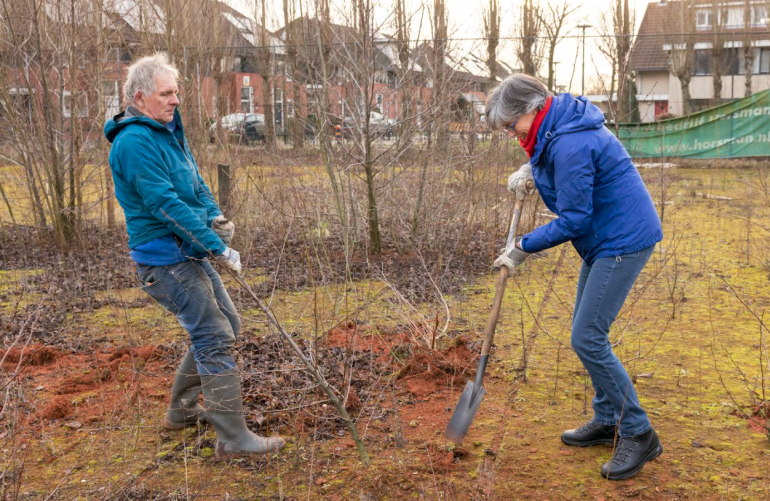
{"points": [[160, 105]]}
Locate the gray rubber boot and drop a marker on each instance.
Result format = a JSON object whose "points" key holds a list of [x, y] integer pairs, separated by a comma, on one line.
{"points": [[224, 410], [184, 409]]}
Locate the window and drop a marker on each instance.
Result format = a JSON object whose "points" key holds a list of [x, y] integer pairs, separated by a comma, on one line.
{"points": [[759, 16], [278, 107], [121, 54], [762, 60], [761, 63], [17, 103], [247, 99], [732, 61], [379, 102], [312, 102], [703, 19], [111, 98], [701, 62], [290, 108], [381, 77], [81, 104], [731, 17]]}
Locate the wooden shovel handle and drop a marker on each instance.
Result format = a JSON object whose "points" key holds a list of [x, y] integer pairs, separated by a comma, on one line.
{"points": [[502, 278]]}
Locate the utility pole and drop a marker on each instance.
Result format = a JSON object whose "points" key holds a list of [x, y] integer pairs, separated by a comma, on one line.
{"points": [[583, 76]]}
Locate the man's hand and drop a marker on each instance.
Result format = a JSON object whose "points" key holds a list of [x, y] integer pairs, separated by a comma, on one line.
{"points": [[230, 259], [513, 258], [517, 182], [224, 228]]}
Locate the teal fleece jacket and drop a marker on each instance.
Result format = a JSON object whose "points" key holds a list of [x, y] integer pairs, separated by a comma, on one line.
{"points": [[158, 185]]}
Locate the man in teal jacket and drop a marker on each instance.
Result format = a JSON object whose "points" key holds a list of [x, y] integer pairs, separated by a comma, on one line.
{"points": [[174, 225]]}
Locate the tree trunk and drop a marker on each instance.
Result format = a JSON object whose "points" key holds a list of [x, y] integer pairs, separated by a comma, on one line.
{"points": [[267, 105], [684, 83], [529, 32], [748, 49]]}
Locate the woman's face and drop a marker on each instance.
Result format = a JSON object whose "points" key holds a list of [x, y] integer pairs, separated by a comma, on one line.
{"points": [[520, 128]]}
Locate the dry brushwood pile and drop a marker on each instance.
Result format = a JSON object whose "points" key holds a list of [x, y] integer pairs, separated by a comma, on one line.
{"points": [[279, 391]]}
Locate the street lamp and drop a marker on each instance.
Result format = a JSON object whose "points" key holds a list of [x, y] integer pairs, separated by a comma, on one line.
{"points": [[583, 85]]}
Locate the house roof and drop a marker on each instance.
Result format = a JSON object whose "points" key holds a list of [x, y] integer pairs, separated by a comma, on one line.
{"points": [[647, 53], [661, 29]]}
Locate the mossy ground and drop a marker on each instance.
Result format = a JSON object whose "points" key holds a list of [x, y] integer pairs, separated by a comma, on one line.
{"points": [[692, 365]]}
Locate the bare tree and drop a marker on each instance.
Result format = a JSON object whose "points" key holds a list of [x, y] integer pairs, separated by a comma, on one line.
{"points": [[717, 51], [439, 73], [300, 118], [266, 57], [492, 34], [623, 24], [607, 45], [403, 27], [530, 25], [681, 50], [748, 47], [552, 21]]}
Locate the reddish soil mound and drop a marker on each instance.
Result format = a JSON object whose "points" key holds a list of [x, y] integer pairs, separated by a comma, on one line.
{"points": [[429, 370], [102, 382], [350, 338], [31, 355], [58, 408], [90, 380], [143, 352], [759, 421]]}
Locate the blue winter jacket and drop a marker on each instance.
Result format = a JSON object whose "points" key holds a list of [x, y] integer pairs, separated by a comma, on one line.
{"points": [[158, 184], [587, 179]]}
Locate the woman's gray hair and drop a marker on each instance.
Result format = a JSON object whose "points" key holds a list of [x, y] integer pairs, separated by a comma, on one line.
{"points": [[517, 95], [141, 75]]}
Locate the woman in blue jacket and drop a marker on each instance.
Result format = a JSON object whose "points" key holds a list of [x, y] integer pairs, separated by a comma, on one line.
{"points": [[587, 179]]}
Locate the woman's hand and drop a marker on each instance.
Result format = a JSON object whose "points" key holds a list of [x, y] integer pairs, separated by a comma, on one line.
{"points": [[512, 258], [518, 182]]}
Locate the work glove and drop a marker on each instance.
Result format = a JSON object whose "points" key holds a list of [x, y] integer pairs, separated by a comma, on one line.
{"points": [[512, 258], [230, 259], [517, 182], [224, 228]]}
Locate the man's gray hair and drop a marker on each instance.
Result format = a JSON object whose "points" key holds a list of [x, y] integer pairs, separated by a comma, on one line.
{"points": [[141, 75], [517, 95]]}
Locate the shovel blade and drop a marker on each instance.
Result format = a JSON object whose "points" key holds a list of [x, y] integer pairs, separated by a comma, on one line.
{"points": [[464, 412]]}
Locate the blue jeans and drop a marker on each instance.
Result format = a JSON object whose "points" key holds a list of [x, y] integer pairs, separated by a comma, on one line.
{"points": [[602, 290], [194, 292]]}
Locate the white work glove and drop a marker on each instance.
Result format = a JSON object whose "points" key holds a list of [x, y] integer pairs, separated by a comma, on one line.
{"points": [[224, 228], [512, 259], [230, 259], [517, 182]]}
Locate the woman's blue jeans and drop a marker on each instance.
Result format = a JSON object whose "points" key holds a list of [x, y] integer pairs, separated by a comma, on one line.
{"points": [[602, 290], [194, 292]]}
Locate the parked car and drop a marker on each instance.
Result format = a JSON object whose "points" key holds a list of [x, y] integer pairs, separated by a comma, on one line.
{"points": [[241, 128], [378, 126]]}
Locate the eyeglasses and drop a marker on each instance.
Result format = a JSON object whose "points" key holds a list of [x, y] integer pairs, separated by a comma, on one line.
{"points": [[512, 128]]}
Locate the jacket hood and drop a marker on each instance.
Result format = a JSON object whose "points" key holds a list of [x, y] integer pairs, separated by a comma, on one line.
{"points": [[131, 116], [567, 114]]}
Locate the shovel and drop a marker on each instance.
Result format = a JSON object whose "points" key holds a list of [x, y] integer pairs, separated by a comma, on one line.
{"points": [[474, 393]]}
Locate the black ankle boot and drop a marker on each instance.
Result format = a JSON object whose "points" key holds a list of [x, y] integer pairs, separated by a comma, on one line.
{"points": [[591, 433], [630, 455]]}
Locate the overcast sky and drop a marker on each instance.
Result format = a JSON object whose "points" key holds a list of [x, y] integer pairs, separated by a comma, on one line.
{"points": [[465, 22]]}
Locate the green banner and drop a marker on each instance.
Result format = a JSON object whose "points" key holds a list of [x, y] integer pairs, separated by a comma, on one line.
{"points": [[740, 128]]}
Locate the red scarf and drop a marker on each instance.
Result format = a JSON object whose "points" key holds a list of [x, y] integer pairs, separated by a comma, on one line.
{"points": [[530, 141]]}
